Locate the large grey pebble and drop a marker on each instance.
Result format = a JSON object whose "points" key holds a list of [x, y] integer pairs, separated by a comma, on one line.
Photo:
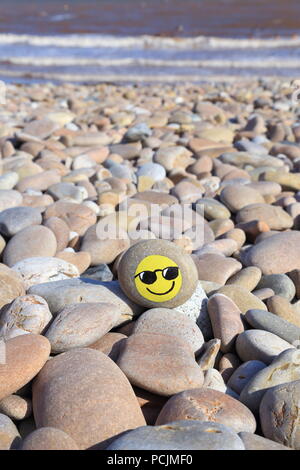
{"points": [[260, 345], [243, 374], [255, 442], [180, 435], [267, 321], [16, 218], [9, 434], [281, 284]]}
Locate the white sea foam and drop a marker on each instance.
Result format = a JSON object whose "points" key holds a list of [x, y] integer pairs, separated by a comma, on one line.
{"points": [[145, 42]]}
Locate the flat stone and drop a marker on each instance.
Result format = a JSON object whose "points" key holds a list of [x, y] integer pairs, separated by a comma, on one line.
{"points": [[59, 294], [284, 309], [26, 314], [100, 272], [81, 259], [48, 438], [283, 369], [39, 181], [216, 268], [161, 364], [267, 321], [170, 322], [17, 218], [78, 217], [85, 376], [237, 196], [15, 407], [180, 435], [277, 414], [244, 299], [260, 345], [247, 278], [280, 283], [79, 325], [159, 257], [40, 128], [33, 241], [274, 216], [226, 320], [24, 357], [156, 171], [208, 357], [42, 269], [213, 209], [207, 405], [173, 157], [110, 344]]}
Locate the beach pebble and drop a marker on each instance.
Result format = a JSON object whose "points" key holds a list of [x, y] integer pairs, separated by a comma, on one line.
{"points": [[85, 376], [255, 442], [101, 272], [247, 278], [260, 345], [216, 268], [209, 354], [274, 216], [170, 322], [11, 285], [143, 267], [9, 435], [278, 414], [17, 218], [15, 407], [283, 369], [78, 217], [180, 435], [244, 299], [280, 283], [79, 325], [283, 309], [267, 321], [207, 405], [243, 374], [213, 379], [26, 314], [48, 438], [110, 344], [33, 241], [237, 196], [9, 180], [160, 363], [10, 198], [226, 321], [212, 209], [43, 269], [25, 356], [104, 251], [156, 171]]}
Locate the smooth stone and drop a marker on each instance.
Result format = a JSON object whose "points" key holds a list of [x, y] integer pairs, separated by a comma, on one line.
{"points": [[180, 435], [214, 380], [39, 181], [48, 438], [226, 320], [127, 151], [243, 374], [161, 364], [279, 414], [17, 218], [101, 272], [9, 180], [33, 241], [288, 181], [15, 407], [10, 198], [26, 314], [81, 259], [209, 354], [40, 128], [156, 171], [78, 217], [274, 216], [173, 157], [110, 344], [267, 321], [150, 404], [138, 132], [277, 254], [255, 442], [284, 309], [208, 405], [260, 345], [242, 298], [295, 277], [104, 251], [44, 269], [240, 159], [67, 191], [24, 357], [237, 196], [133, 257], [228, 364], [11, 285], [170, 322], [283, 369], [59, 294], [216, 268], [79, 325], [212, 209], [248, 278], [280, 283], [9, 435], [89, 377]]}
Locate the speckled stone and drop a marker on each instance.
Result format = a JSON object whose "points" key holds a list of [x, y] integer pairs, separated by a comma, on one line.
{"points": [[208, 405]]}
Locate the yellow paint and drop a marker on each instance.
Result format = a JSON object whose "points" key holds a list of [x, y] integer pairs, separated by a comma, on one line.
{"points": [[154, 268]]}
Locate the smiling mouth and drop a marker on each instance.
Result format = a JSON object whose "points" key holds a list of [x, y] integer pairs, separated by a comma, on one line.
{"points": [[163, 293]]}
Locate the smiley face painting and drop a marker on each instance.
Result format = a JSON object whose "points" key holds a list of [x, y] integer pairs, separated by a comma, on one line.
{"points": [[158, 278], [156, 273]]}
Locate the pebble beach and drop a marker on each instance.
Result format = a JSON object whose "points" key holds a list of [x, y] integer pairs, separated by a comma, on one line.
{"points": [[150, 338]]}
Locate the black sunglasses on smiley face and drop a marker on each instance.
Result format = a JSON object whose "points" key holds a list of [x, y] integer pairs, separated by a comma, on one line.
{"points": [[149, 277]]}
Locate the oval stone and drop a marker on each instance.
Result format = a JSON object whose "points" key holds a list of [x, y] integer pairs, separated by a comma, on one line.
{"points": [[260, 345], [48, 439]]}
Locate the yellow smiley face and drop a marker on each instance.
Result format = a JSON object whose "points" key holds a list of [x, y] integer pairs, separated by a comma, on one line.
{"points": [[158, 278]]}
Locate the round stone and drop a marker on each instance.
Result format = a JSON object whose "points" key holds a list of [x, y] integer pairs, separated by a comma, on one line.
{"points": [[16, 407], [30, 242], [16, 218], [48, 439], [157, 273], [207, 405], [72, 393], [237, 196], [279, 414]]}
